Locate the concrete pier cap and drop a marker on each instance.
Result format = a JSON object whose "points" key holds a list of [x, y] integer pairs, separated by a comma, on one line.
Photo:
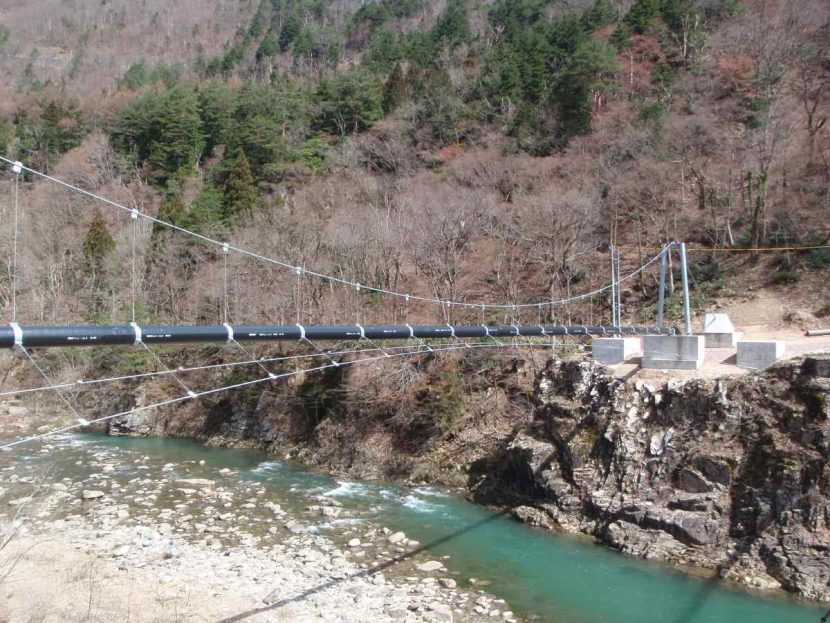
{"points": [[673, 352]]}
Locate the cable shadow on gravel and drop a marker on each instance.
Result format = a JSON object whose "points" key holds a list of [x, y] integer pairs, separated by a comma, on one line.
{"points": [[365, 572]]}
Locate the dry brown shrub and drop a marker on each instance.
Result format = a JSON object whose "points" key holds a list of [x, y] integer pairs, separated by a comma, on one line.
{"points": [[735, 75], [387, 150]]}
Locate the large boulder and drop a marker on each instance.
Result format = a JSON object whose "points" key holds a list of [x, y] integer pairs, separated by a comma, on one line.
{"points": [[139, 424]]}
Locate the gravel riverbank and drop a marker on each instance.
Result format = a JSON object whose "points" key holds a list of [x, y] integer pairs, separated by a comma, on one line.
{"points": [[148, 542]]}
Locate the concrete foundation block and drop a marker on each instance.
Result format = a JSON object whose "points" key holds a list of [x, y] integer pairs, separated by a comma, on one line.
{"points": [[614, 350], [759, 355], [719, 331], [717, 323], [673, 352], [722, 340]]}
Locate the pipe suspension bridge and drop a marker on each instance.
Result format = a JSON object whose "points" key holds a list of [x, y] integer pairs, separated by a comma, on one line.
{"points": [[416, 339]]}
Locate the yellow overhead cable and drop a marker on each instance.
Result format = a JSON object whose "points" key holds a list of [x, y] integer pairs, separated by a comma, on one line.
{"points": [[733, 250]]}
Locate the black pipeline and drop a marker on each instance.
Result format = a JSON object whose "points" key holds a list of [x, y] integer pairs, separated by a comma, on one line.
{"points": [[38, 336]]}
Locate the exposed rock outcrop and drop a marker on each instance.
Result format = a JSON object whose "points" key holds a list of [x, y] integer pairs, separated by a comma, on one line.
{"points": [[729, 475]]}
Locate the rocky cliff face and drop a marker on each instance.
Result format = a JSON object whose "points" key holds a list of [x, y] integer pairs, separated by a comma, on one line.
{"points": [[730, 475]]}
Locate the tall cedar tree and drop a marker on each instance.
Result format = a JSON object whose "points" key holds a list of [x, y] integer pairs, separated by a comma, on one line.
{"points": [[180, 141], [98, 242], [172, 211], [395, 91], [453, 26], [640, 16], [588, 71], [240, 190], [290, 29]]}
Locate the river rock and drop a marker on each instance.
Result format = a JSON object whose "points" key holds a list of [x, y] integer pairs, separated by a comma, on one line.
{"points": [[121, 550], [397, 613], [430, 565], [531, 516], [272, 597], [440, 612], [195, 483], [397, 537], [92, 494]]}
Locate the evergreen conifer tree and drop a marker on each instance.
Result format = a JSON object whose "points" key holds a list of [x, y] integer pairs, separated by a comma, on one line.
{"points": [[172, 211], [240, 189], [453, 27], [268, 47], [395, 91], [178, 137], [290, 29], [640, 16], [600, 15], [350, 102], [98, 242], [589, 70]]}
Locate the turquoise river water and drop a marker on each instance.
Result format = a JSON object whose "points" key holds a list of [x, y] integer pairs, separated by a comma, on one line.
{"points": [[542, 576]]}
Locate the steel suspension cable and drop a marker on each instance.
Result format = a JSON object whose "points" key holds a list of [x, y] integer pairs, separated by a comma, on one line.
{"points": [[331, 278], [163, 365], [223, 389], [298, 303], [14, 245], [134, 217], [253, 361], [225, 304], [52, 385], [249, 354], [167, 372]]}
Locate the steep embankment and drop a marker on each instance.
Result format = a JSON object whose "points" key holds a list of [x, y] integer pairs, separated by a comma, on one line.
{"points": [[426, 419], [729, 475]]}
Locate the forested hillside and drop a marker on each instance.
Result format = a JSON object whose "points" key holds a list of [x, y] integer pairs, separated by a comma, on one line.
{"points": [[459, 149]]}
